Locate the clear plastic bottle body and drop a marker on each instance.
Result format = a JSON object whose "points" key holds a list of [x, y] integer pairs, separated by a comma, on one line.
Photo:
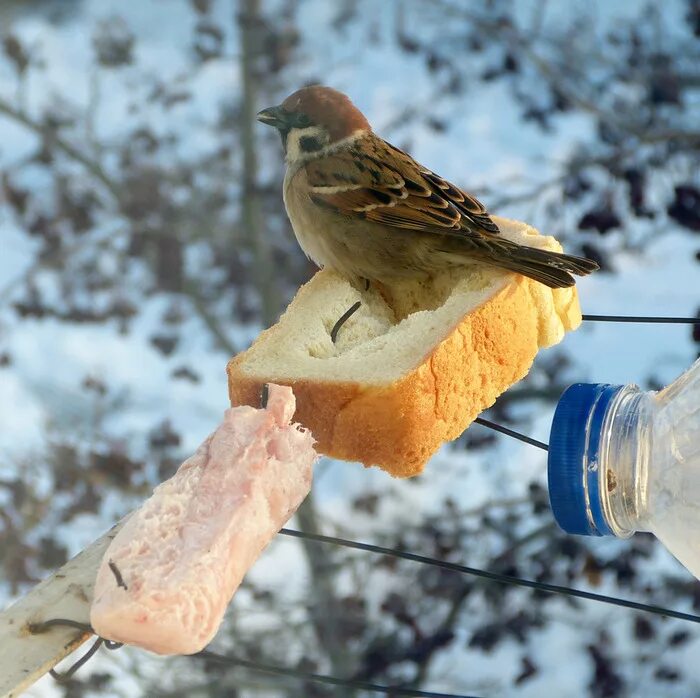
{"points": [[650, 465]]}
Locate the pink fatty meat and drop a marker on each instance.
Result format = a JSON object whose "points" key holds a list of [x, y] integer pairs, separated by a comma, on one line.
{"points": [[168, 575]]}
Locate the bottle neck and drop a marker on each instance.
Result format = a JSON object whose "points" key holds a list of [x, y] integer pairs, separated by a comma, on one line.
{"points": [[623, 461]]}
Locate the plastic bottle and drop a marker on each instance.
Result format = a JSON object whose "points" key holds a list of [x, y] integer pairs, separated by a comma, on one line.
{"points": [[623, 460]]}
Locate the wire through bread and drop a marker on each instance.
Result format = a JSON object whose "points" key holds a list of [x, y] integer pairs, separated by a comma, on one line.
{"points": [[343, 319]]}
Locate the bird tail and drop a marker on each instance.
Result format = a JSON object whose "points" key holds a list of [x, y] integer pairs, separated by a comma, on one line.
{"points": [[554, 269]]}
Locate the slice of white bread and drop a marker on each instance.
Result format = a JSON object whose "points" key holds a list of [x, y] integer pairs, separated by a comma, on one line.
{"points": [[415, 365]]}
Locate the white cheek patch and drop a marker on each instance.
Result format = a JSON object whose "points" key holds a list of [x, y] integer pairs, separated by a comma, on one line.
{"points": [[295, 136], [295, 156]]}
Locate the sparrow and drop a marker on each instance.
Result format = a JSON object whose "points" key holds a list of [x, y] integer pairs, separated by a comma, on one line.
{"points": [[369, 211]]}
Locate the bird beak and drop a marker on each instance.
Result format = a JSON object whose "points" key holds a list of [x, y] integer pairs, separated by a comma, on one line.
{"points": [[273, 116]]}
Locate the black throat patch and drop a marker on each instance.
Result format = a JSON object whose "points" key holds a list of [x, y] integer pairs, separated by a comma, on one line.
{"points": [[308, 144]]}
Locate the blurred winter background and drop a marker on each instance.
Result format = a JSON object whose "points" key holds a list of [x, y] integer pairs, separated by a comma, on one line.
{"points": [[143, 242]]}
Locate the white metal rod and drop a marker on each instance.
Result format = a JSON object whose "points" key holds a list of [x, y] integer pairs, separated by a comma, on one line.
{"points": [[25, 656]]}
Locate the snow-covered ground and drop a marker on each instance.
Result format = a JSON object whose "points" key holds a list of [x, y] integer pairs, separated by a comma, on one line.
{"points": [[483, 146]]}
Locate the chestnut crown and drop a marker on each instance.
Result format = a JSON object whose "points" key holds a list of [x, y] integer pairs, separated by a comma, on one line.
{"points": [[316, 106]]}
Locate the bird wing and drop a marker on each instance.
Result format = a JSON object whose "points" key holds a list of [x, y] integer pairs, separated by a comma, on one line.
{"points": [[373, 180]]}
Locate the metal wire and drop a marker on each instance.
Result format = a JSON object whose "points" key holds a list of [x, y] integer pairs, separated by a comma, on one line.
{"points": [[36, 628], [591, 318], [494, 576], [642, 318], [68, 674], [509, 432], [343, 319], [228, 659], [323, 678]]}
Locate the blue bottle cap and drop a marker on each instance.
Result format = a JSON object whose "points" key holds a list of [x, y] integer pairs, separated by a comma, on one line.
{"points": [[572, 467]]}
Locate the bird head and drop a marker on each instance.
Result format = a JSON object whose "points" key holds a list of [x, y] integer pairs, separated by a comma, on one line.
{"points": [[312, 119]]}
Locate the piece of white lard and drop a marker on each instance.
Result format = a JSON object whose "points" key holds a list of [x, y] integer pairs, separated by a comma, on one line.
{"points": [[168, 575]]}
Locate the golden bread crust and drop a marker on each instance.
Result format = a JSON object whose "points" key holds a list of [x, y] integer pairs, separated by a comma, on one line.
{"points": [[399, 425]]}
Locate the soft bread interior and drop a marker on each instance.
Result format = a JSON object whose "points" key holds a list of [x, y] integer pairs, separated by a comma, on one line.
{"points": [[397, 326]]}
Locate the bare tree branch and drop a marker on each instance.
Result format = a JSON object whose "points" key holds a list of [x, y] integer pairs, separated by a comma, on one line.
{"points": [[52, 138]]}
